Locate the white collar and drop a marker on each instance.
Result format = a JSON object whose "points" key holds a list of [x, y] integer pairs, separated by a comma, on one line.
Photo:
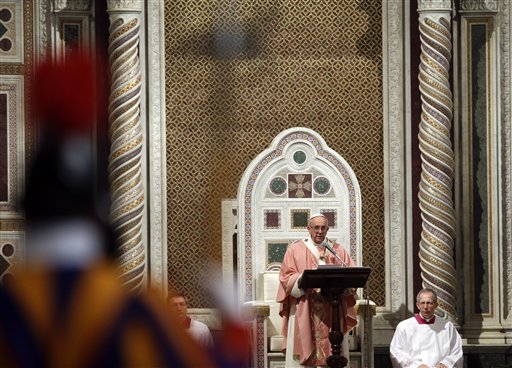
{"points": [[313, 249]]}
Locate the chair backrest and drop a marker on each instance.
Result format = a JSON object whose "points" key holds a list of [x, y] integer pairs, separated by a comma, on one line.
{"points": [[298, 175], [268, 284]]}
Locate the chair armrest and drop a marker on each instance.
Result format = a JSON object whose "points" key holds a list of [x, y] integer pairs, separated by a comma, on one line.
{"points": [[364, 305], [252, 310]]}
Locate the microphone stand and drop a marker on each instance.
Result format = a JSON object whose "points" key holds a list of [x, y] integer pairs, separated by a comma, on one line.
{"points": [[325, 244]]}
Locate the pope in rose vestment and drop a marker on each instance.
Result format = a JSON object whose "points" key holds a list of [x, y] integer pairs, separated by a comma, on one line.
{"points": [[307, 313]]}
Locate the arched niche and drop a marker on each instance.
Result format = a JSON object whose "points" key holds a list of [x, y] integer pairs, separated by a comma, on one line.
{"points": [[297, 176]]}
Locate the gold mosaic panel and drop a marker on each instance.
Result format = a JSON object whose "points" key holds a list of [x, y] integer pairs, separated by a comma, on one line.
{"points": [[235, 78]]}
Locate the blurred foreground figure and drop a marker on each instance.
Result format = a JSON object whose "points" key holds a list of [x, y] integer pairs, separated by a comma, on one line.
{"points": [[67, 307], [233, 344]]}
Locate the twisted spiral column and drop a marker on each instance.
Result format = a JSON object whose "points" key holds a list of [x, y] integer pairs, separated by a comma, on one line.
{"points": [[125, 160], [436, 184]]}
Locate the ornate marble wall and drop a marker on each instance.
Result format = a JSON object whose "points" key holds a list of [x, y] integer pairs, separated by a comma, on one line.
{"points": [[236, 76], [16, 134]]}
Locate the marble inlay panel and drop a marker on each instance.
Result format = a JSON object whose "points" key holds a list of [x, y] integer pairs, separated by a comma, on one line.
{"points": [[11, 31], [11, 138], [299, 219]]}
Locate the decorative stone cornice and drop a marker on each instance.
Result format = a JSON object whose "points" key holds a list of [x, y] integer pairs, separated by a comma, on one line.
{"points": [[479, 6], [71, 5]]}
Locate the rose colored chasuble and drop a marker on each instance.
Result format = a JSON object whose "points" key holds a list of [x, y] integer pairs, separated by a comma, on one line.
{"points": [[311, 313]]}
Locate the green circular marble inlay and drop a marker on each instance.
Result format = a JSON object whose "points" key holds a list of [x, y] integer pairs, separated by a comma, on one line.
{"points": [[278, 186], [299, 157], [322, 185]]}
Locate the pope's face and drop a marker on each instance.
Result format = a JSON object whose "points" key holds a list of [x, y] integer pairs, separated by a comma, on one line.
{"points": [[179, 306], [318, 228], [426, 305]]}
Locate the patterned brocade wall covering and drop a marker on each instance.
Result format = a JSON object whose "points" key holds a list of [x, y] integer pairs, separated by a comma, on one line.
{"points": [[240, 72]]}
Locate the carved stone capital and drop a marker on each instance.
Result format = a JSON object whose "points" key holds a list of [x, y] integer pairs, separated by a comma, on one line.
{"points": [[71, 5], [125, 5]]}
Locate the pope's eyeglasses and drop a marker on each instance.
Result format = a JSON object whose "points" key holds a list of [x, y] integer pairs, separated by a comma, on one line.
{"points": [[320, 228]]}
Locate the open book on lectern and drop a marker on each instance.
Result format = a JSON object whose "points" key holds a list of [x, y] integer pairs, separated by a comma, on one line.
{"points": [[335, 277]]}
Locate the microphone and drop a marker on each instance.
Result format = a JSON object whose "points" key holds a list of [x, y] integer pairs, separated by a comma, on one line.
{"points": [[331, 249]]}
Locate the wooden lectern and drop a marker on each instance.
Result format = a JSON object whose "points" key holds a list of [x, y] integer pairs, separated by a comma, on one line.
{"points": [[333, 280]]}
